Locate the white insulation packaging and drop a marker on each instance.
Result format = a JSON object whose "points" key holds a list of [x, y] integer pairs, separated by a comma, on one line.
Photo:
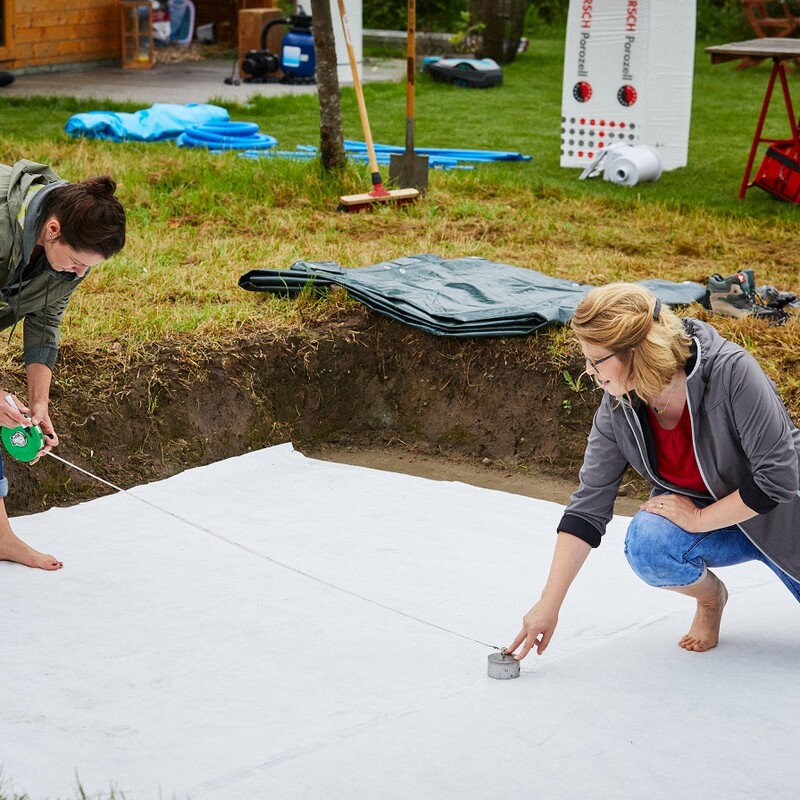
{"points": [[295, 628], [628, 72]]}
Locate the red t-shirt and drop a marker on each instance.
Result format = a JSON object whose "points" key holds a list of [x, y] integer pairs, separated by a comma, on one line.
{"points": [[676, 460]]}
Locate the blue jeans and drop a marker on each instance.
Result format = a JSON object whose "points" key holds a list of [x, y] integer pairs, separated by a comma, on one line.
{"points": [[664, 555], [3, 480]]}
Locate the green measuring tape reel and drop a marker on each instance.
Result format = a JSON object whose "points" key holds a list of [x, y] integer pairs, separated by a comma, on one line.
{"points": [[23, 444]]}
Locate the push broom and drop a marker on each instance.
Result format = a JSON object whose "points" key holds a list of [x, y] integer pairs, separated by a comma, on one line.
{"points": [[360, 202]]}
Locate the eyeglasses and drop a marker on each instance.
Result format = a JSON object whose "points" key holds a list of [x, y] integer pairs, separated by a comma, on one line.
{"points": [[595, 364]]}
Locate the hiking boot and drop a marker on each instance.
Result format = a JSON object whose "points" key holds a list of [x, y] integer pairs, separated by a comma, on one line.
{"points": [[774, 298], [736, 296], [775, 316], [731, 296]]}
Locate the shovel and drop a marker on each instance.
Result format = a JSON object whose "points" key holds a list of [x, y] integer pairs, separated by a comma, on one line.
{"points": [[409, 170]]}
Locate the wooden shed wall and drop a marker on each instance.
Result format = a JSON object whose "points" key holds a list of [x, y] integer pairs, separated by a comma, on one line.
{"points": [[43, 33]]}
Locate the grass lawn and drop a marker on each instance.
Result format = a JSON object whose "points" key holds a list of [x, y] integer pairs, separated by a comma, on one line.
{"points": [[197, 221]]}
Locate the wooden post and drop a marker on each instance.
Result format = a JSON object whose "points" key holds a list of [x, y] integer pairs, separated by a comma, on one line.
{"points": [[136, 26]]}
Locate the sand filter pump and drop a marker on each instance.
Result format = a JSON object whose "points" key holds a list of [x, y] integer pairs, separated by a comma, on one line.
{"points": [[297, 61]]}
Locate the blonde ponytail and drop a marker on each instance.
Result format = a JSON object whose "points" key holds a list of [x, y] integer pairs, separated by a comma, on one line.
{"points": [[647, 337]]}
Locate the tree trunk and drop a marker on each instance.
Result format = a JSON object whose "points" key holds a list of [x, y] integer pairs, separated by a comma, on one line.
{"points": [[331, 139], [504, 22]]}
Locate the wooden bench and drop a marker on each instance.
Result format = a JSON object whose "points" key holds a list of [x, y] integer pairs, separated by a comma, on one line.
{"points": [[766, 22], [760, 15]]}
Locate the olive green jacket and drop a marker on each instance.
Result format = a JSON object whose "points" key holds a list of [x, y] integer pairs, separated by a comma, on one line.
{"points": [[41, 298]]}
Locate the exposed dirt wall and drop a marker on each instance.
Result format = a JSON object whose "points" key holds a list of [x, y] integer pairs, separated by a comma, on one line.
{"points": [[360, 380]]}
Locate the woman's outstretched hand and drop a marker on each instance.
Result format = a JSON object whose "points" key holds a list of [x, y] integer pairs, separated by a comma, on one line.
{"points": [[540, 622], [537, 630]]}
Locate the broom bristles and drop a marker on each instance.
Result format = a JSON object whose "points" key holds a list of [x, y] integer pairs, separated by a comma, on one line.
{"points": [[359, 202]]}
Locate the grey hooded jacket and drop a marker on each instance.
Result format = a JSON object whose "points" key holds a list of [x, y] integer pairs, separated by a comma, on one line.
{"points": [[30, 290], [743, 439]]}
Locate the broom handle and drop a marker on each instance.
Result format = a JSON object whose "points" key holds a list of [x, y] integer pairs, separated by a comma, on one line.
{"points": [[362, 109], [411, 54]]}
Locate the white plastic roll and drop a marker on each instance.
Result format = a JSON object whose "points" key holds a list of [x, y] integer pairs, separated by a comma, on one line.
{"points": [[631, 165]]}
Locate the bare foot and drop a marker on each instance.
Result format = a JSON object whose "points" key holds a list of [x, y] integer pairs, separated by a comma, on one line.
{"points": [[704, 633], [12, 548]]}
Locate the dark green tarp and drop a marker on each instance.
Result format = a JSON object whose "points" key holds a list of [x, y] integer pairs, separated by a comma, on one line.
{"points": [[453, 297]]}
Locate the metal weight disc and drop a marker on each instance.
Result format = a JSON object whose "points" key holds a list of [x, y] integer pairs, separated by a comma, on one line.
{"points": [[22, 444], [503, 666]]}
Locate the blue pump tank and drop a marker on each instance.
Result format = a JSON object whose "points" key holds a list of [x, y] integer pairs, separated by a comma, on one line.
{"points": [[297, 48]]}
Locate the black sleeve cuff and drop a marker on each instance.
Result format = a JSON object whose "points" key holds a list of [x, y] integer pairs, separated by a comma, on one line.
{"points": [[45, 354], [755, 498], [579, 527]]}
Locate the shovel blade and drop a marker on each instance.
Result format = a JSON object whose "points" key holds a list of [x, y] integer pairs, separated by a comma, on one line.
{"points": [[409, 171]]}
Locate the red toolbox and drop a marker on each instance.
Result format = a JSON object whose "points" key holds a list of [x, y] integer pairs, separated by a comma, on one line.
{"points": [[779, 173]]}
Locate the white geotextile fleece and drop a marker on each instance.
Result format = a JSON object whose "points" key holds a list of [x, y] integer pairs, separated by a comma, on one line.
{"points": [[167, 662]]}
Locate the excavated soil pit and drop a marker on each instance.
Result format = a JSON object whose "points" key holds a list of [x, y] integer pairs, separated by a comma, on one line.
{"points": [[359, 389]]}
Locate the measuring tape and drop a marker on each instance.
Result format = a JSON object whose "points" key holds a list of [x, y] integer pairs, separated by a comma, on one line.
{"points": [[23, 443]]}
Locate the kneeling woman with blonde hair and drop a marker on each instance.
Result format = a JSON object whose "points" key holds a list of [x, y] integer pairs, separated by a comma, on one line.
{"points": [[695, 415]]}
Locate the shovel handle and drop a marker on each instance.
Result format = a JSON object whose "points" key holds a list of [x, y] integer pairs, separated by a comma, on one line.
{"points": [[411, 56]]}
